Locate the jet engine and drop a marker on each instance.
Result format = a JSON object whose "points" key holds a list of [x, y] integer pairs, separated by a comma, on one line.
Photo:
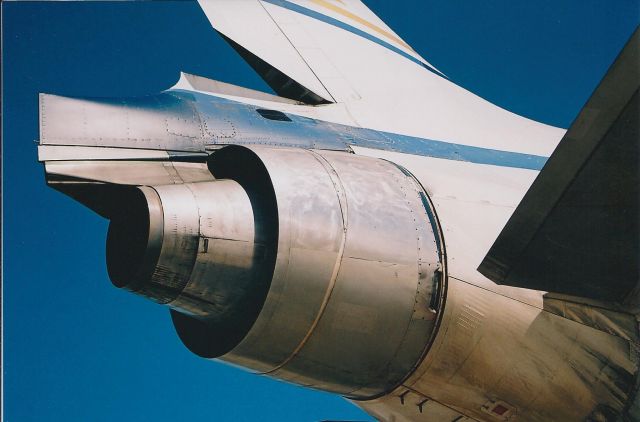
{"points": [[321, 268]]}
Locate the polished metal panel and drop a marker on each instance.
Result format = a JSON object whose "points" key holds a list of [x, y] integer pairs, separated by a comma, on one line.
{"points": [[163, 121], [172, 219], [205, 255], [179, 244], [380, 277], [311, 234], [227, 252], [357, 288]]}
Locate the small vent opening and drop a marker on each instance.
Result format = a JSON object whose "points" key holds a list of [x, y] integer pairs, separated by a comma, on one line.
{"points": [[273, 115]]}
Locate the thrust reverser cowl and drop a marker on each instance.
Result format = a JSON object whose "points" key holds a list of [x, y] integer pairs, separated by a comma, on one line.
{"points": [[320, 268]]}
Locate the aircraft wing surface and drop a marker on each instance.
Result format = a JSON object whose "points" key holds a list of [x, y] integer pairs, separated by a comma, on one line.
{"points": [[576, 230]]}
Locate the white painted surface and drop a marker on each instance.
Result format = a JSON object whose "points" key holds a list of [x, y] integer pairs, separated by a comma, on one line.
{"points": [[380, 88], [249, 24]]}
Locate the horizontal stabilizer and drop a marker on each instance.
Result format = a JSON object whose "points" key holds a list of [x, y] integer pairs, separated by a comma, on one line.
{"points": [[576, 231], [200, 83]]}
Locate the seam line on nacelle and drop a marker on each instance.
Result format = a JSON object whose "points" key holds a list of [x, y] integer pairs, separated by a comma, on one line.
{"points": [[341, 194]]}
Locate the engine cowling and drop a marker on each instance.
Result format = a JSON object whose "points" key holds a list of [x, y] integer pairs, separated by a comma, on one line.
{"points": [[321, 268]]}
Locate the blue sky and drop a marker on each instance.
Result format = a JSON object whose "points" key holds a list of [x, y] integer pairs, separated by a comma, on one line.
{"points": [[76, 348]]}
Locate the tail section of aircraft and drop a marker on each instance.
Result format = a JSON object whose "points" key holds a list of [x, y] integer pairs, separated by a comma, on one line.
{"points": [[330, 235]]}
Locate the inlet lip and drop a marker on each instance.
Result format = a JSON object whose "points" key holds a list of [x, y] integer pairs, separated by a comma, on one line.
{"points": [[134, 239]]}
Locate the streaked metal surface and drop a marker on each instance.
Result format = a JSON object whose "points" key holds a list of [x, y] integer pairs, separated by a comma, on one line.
{"points": [[310, 234], [357, 261], [619, 322], [228, 254], [492, 349], [384, 286], [172, 230]]}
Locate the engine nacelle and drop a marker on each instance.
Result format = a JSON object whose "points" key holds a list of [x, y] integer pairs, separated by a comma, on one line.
{"points": [[321, 268]]}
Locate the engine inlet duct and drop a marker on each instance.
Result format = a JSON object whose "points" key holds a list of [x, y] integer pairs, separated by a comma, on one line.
{"points": [[321, 268]]}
